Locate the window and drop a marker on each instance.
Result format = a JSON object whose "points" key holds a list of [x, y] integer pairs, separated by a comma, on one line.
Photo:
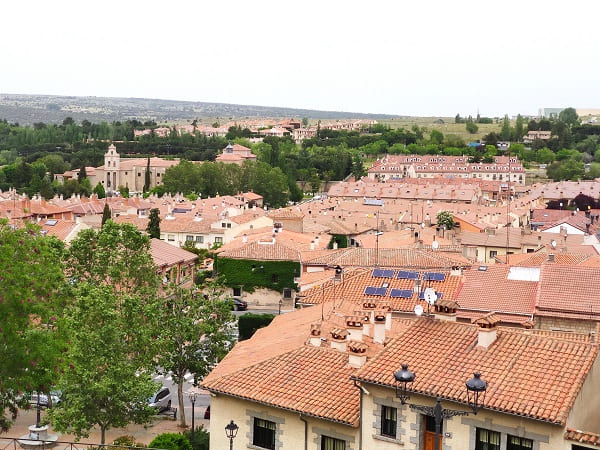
{"points": [[274, 278], [264, 433], [493, 253], [171, 237], [487, 440], [518, 443], [158, 174], [200, 239], [237, 291], [329, 443], [388, 421], [189, 238], [287, 293], [139, 174], [218, 240]]}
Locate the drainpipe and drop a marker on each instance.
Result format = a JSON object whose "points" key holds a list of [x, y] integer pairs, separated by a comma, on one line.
{"points": [[305, 432], [360, 392]]}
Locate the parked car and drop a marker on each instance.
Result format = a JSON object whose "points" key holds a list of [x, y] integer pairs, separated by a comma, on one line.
{"points": [[239, 304], [161, 400], [54, 396]]}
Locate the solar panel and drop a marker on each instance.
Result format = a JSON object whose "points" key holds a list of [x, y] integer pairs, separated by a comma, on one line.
{"points": [[379, 291], [422, 295], [51, 222], [401, 293], [406, 275], [434, 276], [382, 273]]}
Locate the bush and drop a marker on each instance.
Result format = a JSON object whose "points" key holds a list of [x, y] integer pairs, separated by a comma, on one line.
{"points": [[126, 442], [201, 439], [249, 323], [171, 441]]}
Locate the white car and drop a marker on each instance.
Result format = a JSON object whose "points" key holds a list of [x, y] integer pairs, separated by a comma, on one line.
{"points": [[54, 396], [161, 400]]}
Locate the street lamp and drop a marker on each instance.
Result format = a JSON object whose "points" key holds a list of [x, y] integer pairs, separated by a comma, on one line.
{"points": [[231, 430], [192, 396], [476, 388]]}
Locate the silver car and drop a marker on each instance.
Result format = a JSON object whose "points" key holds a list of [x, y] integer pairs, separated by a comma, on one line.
{"points": [[161, 400]]}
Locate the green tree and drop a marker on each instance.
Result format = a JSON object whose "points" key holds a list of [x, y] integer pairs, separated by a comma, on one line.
{"points": [[99, 190], [106, 213], [33, 294], [545, 156], [117, 255], [109, 376], [124, 191], [198, 333], [46, 190], [436, 137], [147, 177], [153, 228], [569, 117], [82, 175], [471, 127], [305, 122], [445, 218], [566, 170], [519, 128], [505, 132]]}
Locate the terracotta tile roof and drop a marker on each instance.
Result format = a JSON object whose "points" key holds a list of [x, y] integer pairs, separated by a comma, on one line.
{"points": [[352, 289], [543, 257], [491, 290], [165, 254], [285, 213], [569, 291], [583, 437], [528, 375], [311, 380], [263, 250], [387, 257]]}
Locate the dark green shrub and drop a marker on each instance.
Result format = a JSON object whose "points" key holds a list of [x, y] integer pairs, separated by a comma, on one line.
{"points": [[201, 439], [250, 274], [249, 323], [126, 441], [171, 441]]}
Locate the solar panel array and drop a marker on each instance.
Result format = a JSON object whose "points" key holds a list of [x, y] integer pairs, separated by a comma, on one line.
{"points": [[434, 276], [382, 273], [372, 290], [407, 275], [401, 293]]}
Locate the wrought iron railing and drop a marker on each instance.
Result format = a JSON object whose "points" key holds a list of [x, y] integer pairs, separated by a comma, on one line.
{"points": [[10, 443]]}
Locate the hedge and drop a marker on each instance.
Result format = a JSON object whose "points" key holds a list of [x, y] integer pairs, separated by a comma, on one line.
{"points": [[171, 441], [341, 239], [249, 323], [251, 274]]}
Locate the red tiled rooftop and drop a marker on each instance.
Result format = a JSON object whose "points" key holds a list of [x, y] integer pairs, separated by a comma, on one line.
{"points": [[583, 437], [445, 354]]}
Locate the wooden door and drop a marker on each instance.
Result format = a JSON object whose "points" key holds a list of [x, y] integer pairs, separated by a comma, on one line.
{"points": [[430, 441]]}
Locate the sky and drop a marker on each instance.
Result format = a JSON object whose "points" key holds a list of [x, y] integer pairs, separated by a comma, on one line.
{"points": [[418, 58]]}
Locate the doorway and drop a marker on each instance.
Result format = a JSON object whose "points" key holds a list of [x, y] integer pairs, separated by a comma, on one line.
{"points": [[429, 433]]}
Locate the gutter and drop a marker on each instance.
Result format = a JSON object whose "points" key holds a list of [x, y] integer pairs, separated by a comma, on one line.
{"points": [[305, 431], [360, 393]]}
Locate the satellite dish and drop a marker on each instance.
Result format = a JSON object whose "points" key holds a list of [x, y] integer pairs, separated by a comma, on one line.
{"points": [[435, 245], [553, 243], [418, 310], [430, 296]]}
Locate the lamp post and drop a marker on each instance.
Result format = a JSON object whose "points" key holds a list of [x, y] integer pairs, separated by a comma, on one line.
{"points": [[192, 396], [476, 388], [231, 430]]}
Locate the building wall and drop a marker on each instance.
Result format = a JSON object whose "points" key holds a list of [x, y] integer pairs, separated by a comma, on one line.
{"points": [[459, 432], [583, 416], [290, 433], [564, 324]]}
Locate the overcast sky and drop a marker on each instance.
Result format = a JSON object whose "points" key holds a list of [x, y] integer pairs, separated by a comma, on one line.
{"points": [[411, 57]]}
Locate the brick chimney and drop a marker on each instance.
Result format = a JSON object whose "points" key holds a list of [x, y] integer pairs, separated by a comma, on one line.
{"points": [[379, 327], [315, 334], [357, 356], [487, 329], [354, 325], [338, 339], [550, 257]]}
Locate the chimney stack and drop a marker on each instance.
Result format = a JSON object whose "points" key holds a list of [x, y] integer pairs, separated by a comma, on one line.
{"points": [[354, 325], [487, 330], [357, 356], [379, 328], [315, 334], [338, 339]]}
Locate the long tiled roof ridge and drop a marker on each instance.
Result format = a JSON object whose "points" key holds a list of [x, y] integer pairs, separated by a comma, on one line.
{"points": [[320, 386], [444, 354]]}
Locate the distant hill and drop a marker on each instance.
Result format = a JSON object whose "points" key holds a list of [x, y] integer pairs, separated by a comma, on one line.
{"points": [[28, 109]]}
